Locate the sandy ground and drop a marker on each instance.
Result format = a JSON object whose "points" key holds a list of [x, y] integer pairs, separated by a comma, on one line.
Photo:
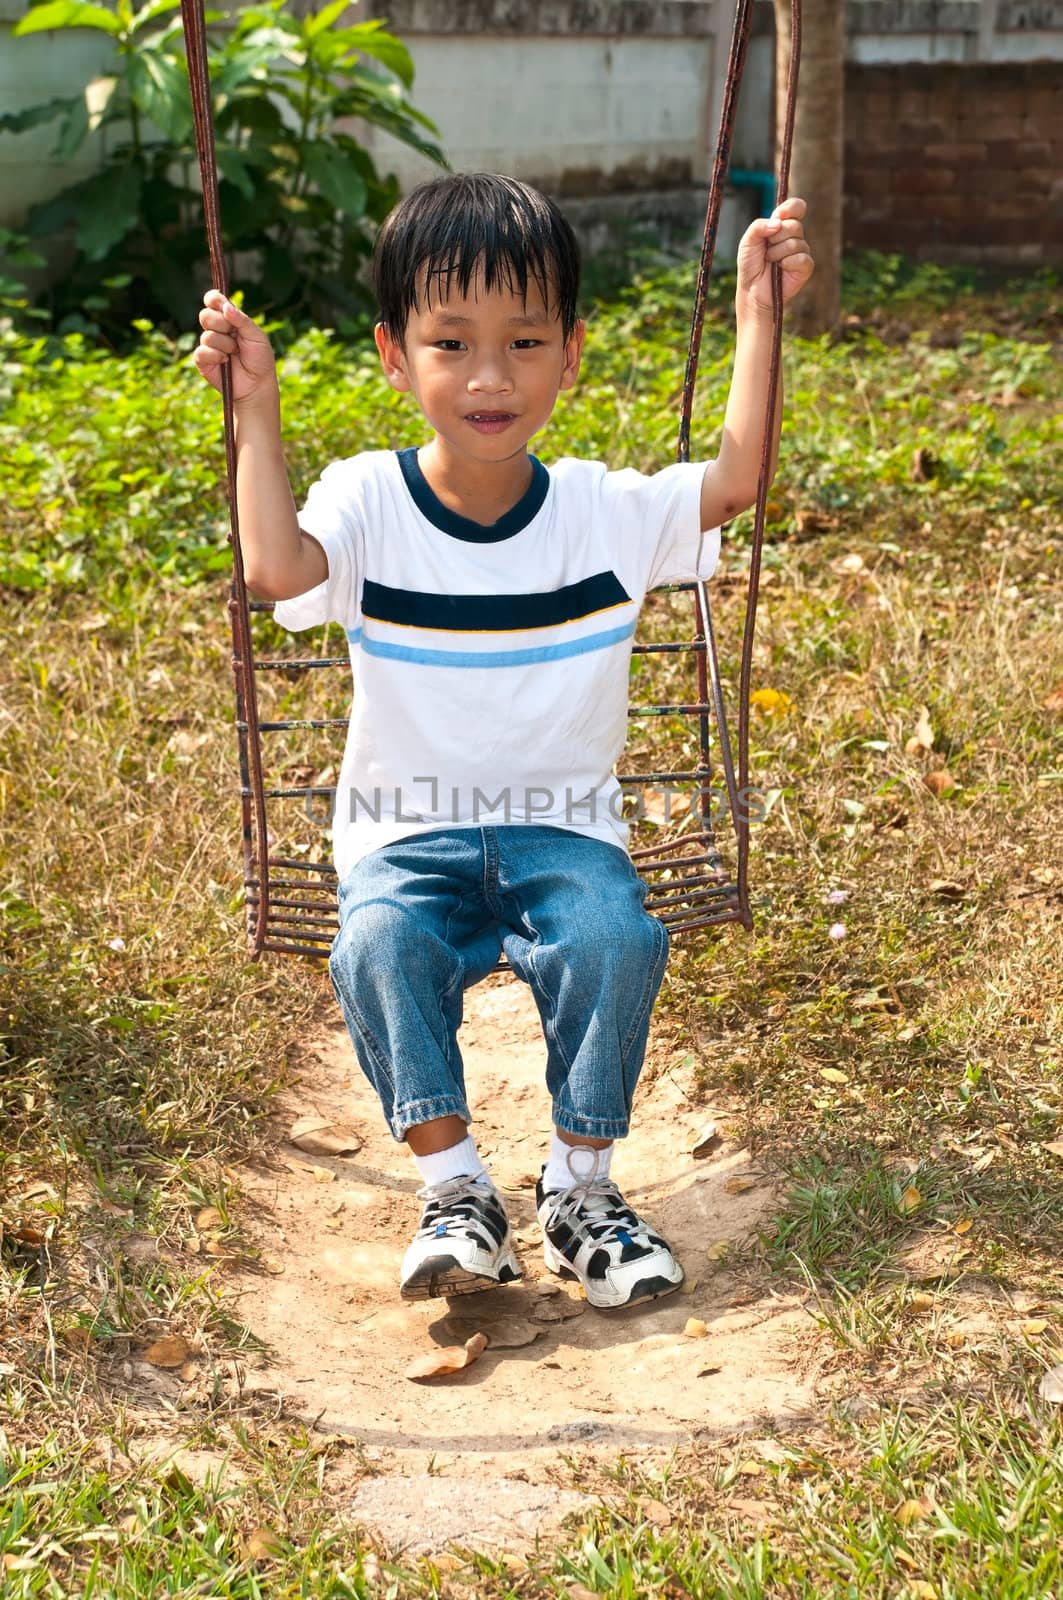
{"points": [[473, 1457]]}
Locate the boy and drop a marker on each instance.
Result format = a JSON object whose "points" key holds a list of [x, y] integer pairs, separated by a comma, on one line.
{"points": [[489, 603]]}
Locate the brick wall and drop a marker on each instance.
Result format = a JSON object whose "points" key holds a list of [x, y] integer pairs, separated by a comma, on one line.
{"points": [[956, 161]]}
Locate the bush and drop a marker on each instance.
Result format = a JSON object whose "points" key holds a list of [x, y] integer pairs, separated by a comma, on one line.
{"points": [[300, 197]]}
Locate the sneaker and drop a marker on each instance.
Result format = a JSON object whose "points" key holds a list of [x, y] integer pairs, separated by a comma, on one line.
{"points": [[463, 1243], [591, 1233]]}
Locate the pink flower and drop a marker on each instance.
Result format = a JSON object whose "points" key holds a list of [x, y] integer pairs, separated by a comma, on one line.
{"points": [[837, 897], [836, 930]]}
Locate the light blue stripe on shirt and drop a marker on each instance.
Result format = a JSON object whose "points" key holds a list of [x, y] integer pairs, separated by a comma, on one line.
{"points": [[498, 658]]}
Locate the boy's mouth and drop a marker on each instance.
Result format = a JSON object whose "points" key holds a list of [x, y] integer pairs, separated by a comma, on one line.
{"points": [[490, 421]]}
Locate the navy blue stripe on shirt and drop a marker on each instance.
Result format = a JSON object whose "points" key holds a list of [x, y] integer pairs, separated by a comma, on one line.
{"points": [[493, 613]]}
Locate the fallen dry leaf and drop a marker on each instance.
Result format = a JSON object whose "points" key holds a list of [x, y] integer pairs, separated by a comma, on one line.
{"points": [[964, 1225], [922, 1589], [740, 1185], [209, 1217], [451, 1358], [707, 1372], [833, 1075], [750, 1468], [262, 1544], [1034, 1326], [1051, 1386], [25, 1235], [688, 1285], [706, 1142], [913, 1511], [934, 1257], [576, 1591], [654, 1512], [922, 1302], [1055, 1148], [508, 1333], [717, 1251], [910, 1199], [948, 888], [694, 1328], [36, 1190], [319, 1137], [1054, 700], [940, 781], [171, 1351], [922, 740]]}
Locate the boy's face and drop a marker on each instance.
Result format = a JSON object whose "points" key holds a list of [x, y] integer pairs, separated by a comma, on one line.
{"points": [[485, 368]]}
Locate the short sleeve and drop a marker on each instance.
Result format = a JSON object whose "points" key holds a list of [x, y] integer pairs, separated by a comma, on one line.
{"points": [[332, 513], [661, 514]]}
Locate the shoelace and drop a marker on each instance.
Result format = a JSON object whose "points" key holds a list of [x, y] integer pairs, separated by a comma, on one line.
{"points": [[585, 1191], [436, 1195]]}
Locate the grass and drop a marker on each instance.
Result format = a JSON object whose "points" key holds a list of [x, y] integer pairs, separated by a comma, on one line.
{"points": [[902, 1081]]}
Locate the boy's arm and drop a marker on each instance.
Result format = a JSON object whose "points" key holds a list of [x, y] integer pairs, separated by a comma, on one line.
{"points": [[730, 482], [280, 560]]}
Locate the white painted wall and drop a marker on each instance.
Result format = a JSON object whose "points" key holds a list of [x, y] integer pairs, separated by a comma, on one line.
{"points": [[550, 108], [40, 67]]}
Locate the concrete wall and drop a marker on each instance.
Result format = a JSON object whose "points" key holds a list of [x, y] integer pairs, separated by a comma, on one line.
{"points": [[43, 66], [955, 30], [612, 104]]}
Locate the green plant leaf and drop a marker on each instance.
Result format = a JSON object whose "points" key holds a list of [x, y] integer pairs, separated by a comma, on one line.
{"points": [[149, 13], [73, 130], [318, 21], [371, 39], [68, 14], [159, 85], [333, 172], [34, 116], [231, 166], [109, 209]]}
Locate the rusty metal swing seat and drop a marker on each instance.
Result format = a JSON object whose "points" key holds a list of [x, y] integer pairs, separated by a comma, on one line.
{"points": [[290, 900]]}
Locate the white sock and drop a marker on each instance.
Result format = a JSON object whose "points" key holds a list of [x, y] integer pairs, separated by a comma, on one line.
{"points": [[458, 1161], [559, 1175]]}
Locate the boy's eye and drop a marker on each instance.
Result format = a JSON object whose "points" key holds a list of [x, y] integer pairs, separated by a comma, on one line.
{"points": [[526, 344], [449, 344]]}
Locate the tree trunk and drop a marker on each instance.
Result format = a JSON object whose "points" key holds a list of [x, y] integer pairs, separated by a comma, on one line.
{"points": [[818, 155]]}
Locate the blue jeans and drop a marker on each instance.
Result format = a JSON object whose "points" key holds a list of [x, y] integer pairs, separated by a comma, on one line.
{"points": [[424, 919]]}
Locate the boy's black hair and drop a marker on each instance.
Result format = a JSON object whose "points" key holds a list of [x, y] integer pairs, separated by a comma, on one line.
{"points": [[450, 230]]}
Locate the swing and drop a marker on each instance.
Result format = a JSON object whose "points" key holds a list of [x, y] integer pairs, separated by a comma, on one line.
{"points": [[290, 900]]}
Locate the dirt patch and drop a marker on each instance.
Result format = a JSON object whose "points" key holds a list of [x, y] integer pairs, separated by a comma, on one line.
{"points": [[559, 1376]]}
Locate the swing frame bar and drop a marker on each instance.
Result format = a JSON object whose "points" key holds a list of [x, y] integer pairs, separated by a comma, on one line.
{"points": [[706, 896]]}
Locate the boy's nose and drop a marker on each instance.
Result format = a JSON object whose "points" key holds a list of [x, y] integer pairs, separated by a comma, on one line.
{"points": [[490, 379]]}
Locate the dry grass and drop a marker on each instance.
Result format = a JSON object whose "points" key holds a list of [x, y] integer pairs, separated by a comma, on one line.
{"points": [[918, 1053]]}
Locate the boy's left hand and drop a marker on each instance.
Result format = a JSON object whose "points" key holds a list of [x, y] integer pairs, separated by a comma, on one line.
{"points": [[781, 238]]}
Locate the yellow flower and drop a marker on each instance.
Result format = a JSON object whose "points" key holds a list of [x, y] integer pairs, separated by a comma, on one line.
{"points": [[773, 702]]}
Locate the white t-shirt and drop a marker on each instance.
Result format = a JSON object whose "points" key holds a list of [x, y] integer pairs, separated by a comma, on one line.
{"points": [[490, 663]]}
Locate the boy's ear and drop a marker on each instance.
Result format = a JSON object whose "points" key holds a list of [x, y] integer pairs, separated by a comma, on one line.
{"points": [[392, 358], [573, 354]]}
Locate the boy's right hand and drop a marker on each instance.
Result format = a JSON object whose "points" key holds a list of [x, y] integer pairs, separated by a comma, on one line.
{"points": [[230, 336]]}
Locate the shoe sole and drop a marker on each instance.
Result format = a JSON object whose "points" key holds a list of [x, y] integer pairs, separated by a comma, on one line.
{"points": [[441, 1276], [645, 1289]]}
